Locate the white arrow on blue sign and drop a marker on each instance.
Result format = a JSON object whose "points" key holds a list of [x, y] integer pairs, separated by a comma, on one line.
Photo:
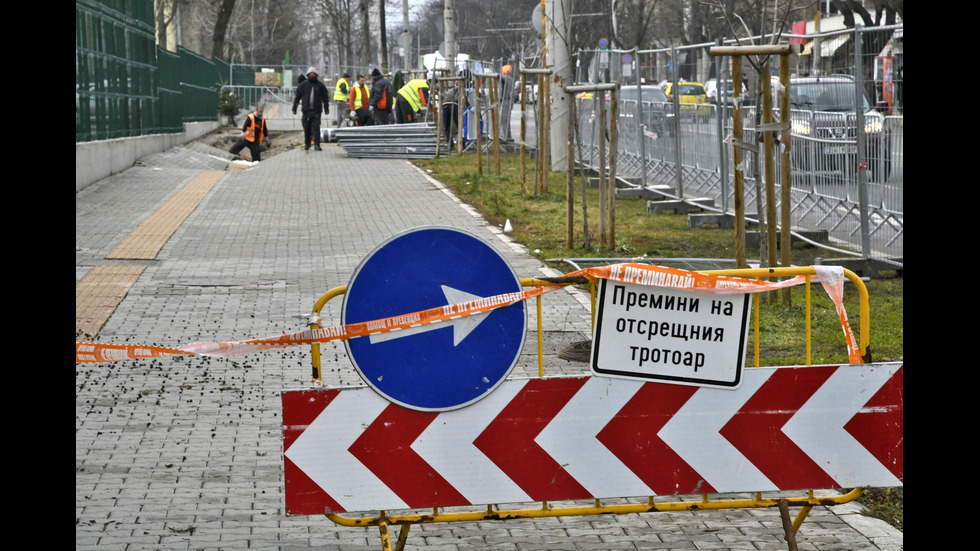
{"points": [[441, 366]]}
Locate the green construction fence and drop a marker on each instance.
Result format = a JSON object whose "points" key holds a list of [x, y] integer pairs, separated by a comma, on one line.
{"points": [[125, 85]]}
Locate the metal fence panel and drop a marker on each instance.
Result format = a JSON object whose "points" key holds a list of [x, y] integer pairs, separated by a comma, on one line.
{"points": [[847, 148], [125, 85], [114, 69], [199, 84], [169, 92]]}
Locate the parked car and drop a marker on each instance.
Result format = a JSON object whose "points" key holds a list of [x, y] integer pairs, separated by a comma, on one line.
{"points": [[532, 93], [824, 108], [725, 88], [693, 99], [658, 112]]}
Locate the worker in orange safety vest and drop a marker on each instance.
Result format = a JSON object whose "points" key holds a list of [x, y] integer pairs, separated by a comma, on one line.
{"points": [[253, 132], [359, 96]]}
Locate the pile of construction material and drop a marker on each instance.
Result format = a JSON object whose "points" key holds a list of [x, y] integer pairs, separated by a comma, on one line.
{"points": [[392, 141]]}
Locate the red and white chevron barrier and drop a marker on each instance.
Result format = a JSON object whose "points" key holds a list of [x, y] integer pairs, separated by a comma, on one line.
{"points": [[785, 428]]}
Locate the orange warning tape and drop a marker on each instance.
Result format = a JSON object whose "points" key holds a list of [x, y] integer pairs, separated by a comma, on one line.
{"points": [[88, 352], [95, 352], [831, 277], [364, 329], [676, 278], [641, 274]]}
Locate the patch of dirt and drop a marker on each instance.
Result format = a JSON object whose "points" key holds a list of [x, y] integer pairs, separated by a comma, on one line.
{"points": [[226, 136]]}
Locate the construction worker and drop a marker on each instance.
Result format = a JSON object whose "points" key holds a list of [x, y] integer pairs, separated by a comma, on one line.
{"points": [[313, 95], [341, 95], [359, 97], [506, 100], [382, 98], [253, 132], [411, 98], [453, 100]]}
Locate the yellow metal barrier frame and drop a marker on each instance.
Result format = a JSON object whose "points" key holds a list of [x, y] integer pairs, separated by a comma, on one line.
{"points": [[809, 272], [383, 521]]}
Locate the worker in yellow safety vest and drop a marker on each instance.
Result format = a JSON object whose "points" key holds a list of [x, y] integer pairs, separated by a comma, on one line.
{"points": [[253, 132], [412, 97], [359, 96], [341, 95]]}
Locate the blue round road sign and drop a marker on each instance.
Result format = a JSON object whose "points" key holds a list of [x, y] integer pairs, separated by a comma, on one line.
{"points": [[603, 43], [441, 366]]}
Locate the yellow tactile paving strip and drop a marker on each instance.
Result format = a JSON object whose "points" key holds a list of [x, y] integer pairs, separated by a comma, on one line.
{"points": [[98, 294], [152, 234], [102, 289]]}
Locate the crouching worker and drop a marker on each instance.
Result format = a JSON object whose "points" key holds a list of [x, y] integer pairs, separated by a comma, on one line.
{"points": [[253, 132], [411, 98]]}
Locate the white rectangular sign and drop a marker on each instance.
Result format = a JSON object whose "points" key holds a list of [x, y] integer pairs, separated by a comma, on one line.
{"points": [[670, 335]]}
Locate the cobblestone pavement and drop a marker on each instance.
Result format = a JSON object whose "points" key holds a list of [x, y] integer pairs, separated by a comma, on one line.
{"points": [[186, 453]]}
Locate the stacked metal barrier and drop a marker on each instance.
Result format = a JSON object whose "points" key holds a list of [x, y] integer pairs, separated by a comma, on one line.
{"points": [[402, 141]]}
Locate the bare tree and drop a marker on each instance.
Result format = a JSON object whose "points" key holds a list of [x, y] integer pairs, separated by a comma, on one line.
{"points": [[885, 12], [426, 29], [744, 20], [338, 15], [221, 27], [165, 11], [260, 31], [634, 22], [498, 29], [365, 50]]}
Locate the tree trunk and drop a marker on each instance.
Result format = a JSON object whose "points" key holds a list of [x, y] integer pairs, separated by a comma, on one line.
{"points": [[366, 57], [161, 25], [384, 40], [164, 20], [221, 27], [346, 45]]}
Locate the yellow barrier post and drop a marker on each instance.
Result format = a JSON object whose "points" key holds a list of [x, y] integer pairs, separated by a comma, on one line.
{"points": [[315, 348]]}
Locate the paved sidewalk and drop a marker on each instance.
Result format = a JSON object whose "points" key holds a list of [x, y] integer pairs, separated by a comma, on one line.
{"points": [[186, 453]]}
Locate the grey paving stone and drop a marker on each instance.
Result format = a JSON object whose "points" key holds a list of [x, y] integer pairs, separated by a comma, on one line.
{"points": [[186, 453]]}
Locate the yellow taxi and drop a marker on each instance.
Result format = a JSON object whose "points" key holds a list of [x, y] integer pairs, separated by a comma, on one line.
{"points": [[692, 98]]}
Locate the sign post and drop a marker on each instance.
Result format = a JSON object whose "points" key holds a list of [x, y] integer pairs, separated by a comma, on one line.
{"points": [[670, 335]]}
